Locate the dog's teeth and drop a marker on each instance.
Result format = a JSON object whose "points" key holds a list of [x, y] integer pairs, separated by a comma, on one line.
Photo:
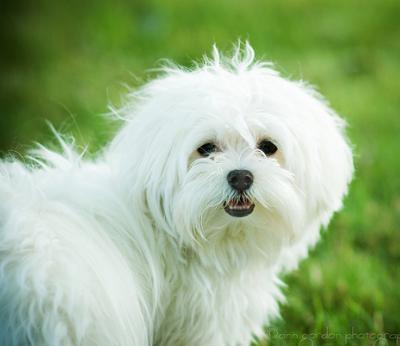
{"points": [[242, 204], [240, 207]]}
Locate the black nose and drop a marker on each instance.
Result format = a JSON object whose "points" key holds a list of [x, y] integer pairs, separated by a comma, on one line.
{"points": [[240, 179]]}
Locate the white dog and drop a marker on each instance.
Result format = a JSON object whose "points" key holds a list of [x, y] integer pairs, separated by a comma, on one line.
{"points": [[219, 180]]}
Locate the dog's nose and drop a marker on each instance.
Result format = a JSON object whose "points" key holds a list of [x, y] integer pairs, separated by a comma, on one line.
{"points": [[240, 179]]}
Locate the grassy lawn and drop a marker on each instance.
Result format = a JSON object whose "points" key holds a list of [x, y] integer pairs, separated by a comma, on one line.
{"points": [[65, 62]]}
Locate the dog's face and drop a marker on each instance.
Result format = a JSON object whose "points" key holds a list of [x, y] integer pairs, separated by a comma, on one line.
{"points": [[237, 176], [234, 151]]}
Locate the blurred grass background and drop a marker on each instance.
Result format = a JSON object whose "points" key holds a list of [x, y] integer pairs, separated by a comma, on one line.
{"points": [[66, 61]]}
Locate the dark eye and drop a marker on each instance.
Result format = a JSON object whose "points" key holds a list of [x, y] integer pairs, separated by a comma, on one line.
{"points": [[207, 149], [267, 147]]}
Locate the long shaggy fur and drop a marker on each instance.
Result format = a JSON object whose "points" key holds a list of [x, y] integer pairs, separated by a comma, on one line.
{"points": [[135, 248]]}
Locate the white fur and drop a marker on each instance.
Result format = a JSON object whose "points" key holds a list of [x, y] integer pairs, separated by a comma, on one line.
{"points": [[135, 248]]}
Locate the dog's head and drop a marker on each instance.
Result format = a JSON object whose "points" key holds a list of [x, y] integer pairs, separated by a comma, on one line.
{"points": [[232, 154]]}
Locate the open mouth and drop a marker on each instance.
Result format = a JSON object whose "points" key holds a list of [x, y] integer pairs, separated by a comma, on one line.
{"points": [[239, 207]]}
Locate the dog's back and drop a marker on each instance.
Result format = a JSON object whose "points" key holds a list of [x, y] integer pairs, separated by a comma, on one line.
{"points": [[60, 269]]}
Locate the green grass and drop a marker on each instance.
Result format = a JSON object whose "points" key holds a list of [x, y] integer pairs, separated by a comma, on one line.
{"points": [[65, 62]]}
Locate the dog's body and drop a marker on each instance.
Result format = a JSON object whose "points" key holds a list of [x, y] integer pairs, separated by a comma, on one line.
{"points": [[150, 244]]}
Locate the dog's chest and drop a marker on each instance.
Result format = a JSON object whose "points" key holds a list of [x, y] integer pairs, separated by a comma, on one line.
{"points": [[203, 308]]}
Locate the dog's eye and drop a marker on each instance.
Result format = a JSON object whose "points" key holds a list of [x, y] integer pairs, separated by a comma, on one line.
{"points": [[267, 147], [207, 149]]}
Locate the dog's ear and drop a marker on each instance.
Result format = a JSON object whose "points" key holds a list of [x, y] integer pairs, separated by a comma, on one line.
{"points": [[328, 154], [322, 163]]}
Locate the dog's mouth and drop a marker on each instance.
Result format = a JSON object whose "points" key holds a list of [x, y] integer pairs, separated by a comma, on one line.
{"points": [[239, 207]]}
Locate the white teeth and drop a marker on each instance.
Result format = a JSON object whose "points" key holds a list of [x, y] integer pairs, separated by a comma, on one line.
{"points": [[240, 207], [242, 204]]}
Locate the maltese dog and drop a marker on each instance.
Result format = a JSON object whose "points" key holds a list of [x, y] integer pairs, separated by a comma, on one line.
{"points": [[176, 233]]}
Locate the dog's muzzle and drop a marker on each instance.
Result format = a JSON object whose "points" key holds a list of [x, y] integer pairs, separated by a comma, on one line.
{"points": [[239, 206]]}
